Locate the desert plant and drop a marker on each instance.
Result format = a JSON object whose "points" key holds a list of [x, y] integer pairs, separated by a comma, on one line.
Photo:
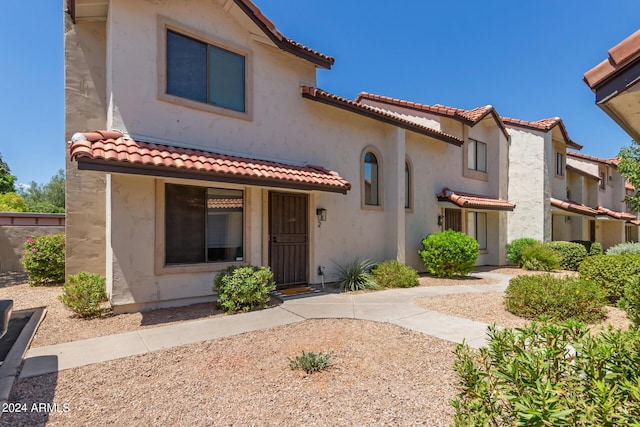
{"points": [[355, 275], [84, 293], [611, 272], [549, 375], [311, 362], [515, 248], [593, 248], [571, 254], [624, 248], [394, 274], [539, 257], [449, 253], [244, 288], [43, 259], [533, 297]]}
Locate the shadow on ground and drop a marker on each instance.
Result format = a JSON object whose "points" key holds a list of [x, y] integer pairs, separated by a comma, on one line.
{"points": [[13, 278]]}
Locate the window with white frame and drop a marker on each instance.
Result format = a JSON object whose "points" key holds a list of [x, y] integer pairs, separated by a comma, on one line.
{"points": [[477, 227], [559, 164], [199, 71], [203, 224], [371, 180], [477, 155]]}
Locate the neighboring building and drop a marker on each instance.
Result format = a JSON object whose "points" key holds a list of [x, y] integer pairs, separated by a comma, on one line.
{"points": [[249, 163]]}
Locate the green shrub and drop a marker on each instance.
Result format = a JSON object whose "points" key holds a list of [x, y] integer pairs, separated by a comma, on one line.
{"points": [[624, 248], [571, 254], [534, 297], [632, 300], [611, 272], [243, 288], [540, 257], [12, 202], [355, 275], [43, 259], [515, 248], [593, 248], [394, 274], [311, 362], [549, 375], [84, 293], [449, 253]]}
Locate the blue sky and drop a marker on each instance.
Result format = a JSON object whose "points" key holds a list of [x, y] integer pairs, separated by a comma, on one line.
{"points": [[524, 58]]}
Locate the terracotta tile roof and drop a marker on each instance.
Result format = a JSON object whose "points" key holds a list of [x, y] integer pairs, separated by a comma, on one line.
{"points": [[376, 113], [621, 55], [634, 222], [575, 207], [615, 214], [544, 125], [467, 200], [469, 117], [629, 186], [225, 203], [609, 162], [584, 173], [111, 149]]}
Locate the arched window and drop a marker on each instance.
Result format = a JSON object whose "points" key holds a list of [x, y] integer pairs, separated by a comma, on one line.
{"points": [[371, 180]]}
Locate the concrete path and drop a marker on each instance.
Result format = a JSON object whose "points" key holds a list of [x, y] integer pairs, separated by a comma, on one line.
{"points": [[393, 306]]}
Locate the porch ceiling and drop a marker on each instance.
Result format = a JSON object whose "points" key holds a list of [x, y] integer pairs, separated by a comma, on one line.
{"points": [[110, 151]]}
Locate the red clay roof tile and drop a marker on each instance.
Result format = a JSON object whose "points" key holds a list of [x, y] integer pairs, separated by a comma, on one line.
{"points": [[544, 125], [575, 207], [615, 214], [467, 200], [610, 162], [620, 56], [377, 113], [111, 146]]}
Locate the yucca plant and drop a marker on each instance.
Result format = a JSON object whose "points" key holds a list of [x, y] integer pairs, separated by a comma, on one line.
{"points": [[355, 275]]}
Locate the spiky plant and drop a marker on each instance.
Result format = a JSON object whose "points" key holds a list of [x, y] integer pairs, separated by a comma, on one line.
{"points": [[355, 275]]}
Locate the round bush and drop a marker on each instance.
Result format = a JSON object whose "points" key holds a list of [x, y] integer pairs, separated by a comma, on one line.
{"points": [[243, 288], [449, 253], [593, 248], [611, 272], [394, 274], [558, 299], [84, 293], [43, 259], [571, 254], [515, 248], [624, 248], [540, 257]]}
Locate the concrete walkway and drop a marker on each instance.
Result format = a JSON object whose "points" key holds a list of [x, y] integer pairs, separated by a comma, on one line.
{"points": [[393, 306]]}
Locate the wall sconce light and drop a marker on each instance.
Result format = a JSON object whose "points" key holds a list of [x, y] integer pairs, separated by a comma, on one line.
{"points": [[321, 213], [440, 220]]}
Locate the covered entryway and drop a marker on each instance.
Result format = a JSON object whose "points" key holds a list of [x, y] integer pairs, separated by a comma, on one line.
{"points": [[288, 237]]}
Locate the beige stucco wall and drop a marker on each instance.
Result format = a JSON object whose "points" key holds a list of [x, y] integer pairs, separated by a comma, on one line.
{"points": [[609, 233], [12, 240], [85, 109]]}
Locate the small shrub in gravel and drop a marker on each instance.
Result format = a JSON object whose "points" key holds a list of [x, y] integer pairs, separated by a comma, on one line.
{"points": [[624, 248], [394, 274], [449, 253], [515, 248], [611, 272], [244, 288], [311, 362], [593, 248], [84, 293], [355, 275], [43, 259], [549, 375], [571, 254], [533, 297], [540, 257]]}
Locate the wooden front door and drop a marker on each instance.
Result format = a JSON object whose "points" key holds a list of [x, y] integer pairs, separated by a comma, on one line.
{"points": [[288, 237], [453, 219]]}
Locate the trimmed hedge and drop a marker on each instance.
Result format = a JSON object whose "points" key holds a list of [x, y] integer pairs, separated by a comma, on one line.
{"points": [[394, 274], [571, 254], [515, 248], [244, 288], [43, 259], [540, 257], [84, 293], [611, 272], [624, 248], [449, 253], [593, 248]]}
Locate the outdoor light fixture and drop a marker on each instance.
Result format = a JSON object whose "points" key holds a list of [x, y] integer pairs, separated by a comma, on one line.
{"points": [[321, 213], [440, 219]]}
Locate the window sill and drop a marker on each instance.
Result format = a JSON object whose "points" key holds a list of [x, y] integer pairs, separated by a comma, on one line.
{"points": [[484, 251], [372, 207], [209, 108], [210, 267], [474, 174]]}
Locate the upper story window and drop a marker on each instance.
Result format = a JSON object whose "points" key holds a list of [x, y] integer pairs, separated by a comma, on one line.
{"points": [[371, 180], [559, 164], [407, 186], [477, 156], [205, 73], [603, 179]]}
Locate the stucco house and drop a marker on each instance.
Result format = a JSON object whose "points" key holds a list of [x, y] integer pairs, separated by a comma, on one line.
{"points": [[197, 139]]}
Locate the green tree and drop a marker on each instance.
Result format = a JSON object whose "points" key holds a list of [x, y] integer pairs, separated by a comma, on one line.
{"points": [[7, 181], [12, 202], [45, 198], [629, 167]]}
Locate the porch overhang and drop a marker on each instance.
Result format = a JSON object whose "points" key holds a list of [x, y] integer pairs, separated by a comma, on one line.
{"points": [[571, 208], [110, 151], [474, 201]]}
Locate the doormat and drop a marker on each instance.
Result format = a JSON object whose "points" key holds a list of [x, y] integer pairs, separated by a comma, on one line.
{"points": [[299, 291]]}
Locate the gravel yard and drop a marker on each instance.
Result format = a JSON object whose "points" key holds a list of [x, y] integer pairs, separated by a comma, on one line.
{"points": [[382, 375]]}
